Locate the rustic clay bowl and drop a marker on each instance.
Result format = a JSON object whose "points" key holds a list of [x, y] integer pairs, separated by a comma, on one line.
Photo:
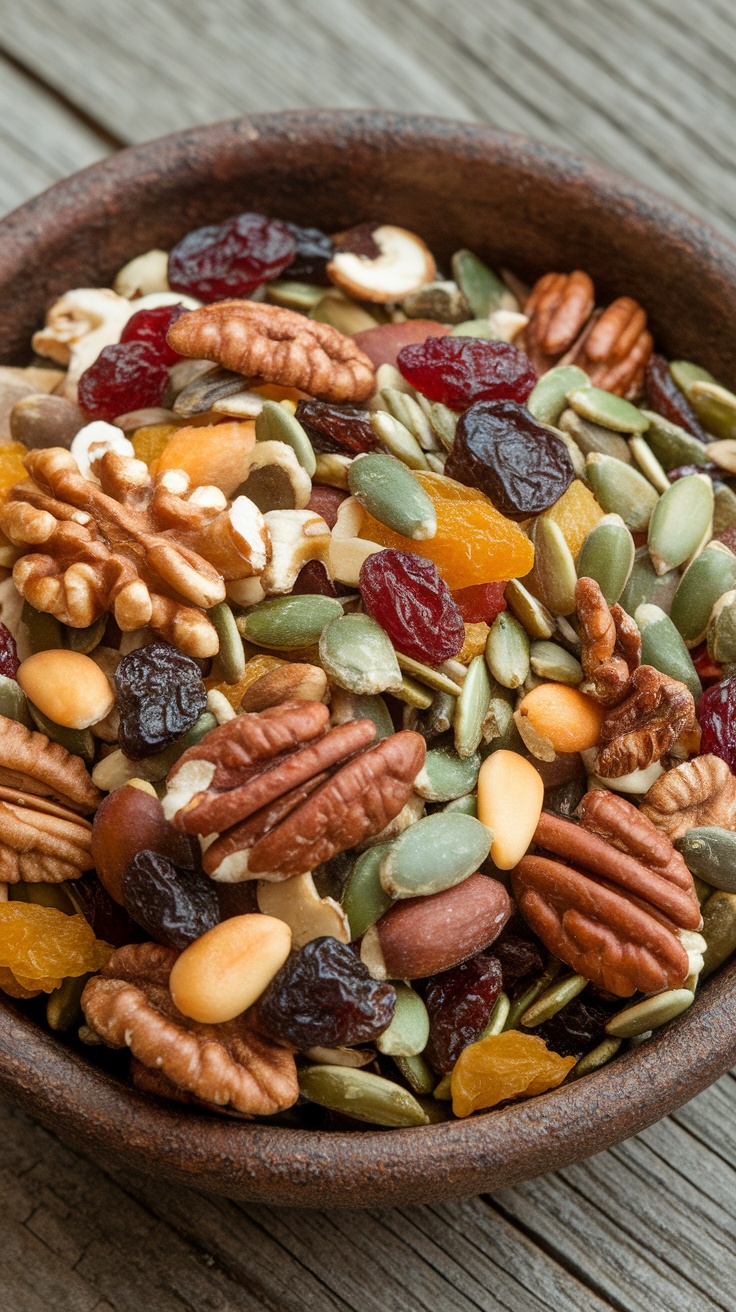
{"points": [[521, 205]]}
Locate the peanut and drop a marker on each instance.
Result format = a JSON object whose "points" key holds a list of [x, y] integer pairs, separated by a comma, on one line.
{"points": [[67, 687], [570, 721], [510, 798], [222, 973]]}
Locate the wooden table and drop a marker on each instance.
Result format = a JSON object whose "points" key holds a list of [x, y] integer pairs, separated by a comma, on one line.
{"points": [[648, 88]]}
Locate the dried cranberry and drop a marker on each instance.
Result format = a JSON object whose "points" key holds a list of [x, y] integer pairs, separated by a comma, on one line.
{"points": [[481, 602], [578, 1027], [313, 251], [324, 995], [313, 578], [517, 955], [231, 258], [160, 694], [708, 669], [460, 1002], [406, 596], [326, 501], [714, 472], [8, 653], [341, 429], [717, 717], [152, 326], [728, 537], [518, 463], [663, 395], [174, 907], [461, 370], [110, 921], [128, 376]]}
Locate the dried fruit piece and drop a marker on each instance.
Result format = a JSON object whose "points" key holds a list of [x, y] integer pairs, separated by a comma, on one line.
{"points": [[231, 258], [42, 946], [578, 1027], [336, 428], [663, 395], [575, 514], [151, 326], [8, 653], [717, 717], [521, 465], [127, 376], [127, 821], [407, 597], [160, 694], [459, 1003], [313, 250], [324, 995], [518, 954], [12, 466], [174, 907], [459, 371], [502, 1066], [149, 441], [216, 455], [481, 602]]}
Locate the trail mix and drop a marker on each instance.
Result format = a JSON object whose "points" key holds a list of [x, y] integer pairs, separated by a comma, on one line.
{"points": [[367, 676]]}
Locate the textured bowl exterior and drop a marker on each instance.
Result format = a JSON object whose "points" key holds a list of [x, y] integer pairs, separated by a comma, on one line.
{"points": [[522, 205]]}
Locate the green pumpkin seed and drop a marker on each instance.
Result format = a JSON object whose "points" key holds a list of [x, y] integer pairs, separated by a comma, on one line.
{"points": [[508, 651], [471, 708], [552, 1000], [408, 1032], [13, 702], [429, 674], [276, 424], [722, 629], [608, 410], [715, 407], [482, 328], [398, 440], [342, 313], [724, 508], [663, 647], [285, 622], [80, 742], [390, 493], [64, 1005], [467, 805], [498, 1017], [607, 555], [649, 1014], [711, 574], [590, 438], [680, 520], [435, 853], [445, 775], [719, 931], [548, 397], [85, 640], [673, 446], [684, 374], [361, 1095], [45, 633], [621, 490], [418, 1075], [294, 295], [346, 706], [574, 452], [597, 1057], [550, 661], [645, 585], [229, 663], [404, 407], [414, 694], [530, 995], [355, 652], [481, 287], [531, 614], [710, 853], [553, 576], [363, 898], [648, 463], [442, 420]]}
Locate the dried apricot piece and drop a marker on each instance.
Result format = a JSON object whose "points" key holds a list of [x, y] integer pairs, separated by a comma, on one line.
{"points": [[42, 946], [12, 469], [255, 668], [474, 543], [575, 514], [502, 1066], [213, 455], [149, 441]]}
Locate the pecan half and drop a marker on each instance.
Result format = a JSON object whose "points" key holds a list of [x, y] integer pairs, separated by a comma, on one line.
{"points": [[129, 1005], [624, 826], [41, 847], [559, 306], [31, 763], [615, 347], [644, 727], [611, 644], [698, 792], [277, 346]]}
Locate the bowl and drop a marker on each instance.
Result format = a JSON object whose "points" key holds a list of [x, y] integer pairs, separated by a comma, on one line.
{"points": [[522, 205]]}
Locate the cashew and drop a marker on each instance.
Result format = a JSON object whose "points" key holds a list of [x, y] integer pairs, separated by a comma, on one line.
{"points": [[143, 274], [507, 324], [347, 551], [245, 592], [402, 265], [297, 536], [274, 478], [309, 916]]}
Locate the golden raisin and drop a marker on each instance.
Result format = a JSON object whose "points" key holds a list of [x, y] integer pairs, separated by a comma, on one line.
{"points": [[12, 469], [502, 1066], [255, 668], [149, 442], [42, 946]]}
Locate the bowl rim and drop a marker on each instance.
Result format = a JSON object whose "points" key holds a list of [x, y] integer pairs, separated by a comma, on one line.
{"points": [[373, 1166]]}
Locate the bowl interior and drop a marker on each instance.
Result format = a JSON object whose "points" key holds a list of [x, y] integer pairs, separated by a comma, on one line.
{"points": [[519, 205]]}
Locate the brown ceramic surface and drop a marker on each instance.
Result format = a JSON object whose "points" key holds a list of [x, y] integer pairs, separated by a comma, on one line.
{"points": [[521, 205]]}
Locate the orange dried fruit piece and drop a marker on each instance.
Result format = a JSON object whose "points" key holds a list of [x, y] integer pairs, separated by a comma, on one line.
{"points": [[255, 668], [149, 441], [43, 946], [12, 468], [474, 542], [575, 514], [215, 455], [503, 1066]]}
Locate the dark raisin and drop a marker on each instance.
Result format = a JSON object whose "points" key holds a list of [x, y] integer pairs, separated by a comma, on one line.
{"points": [[565, 799], [152, 326], [663, 395], [462, 370], [108, 919], [460, 1002], [326, 501], [518, 463], [174, 906], [517, 954], [578, 1027], [714, 472], [231, 258], [717, 716], [8, 653], [313, 251], [324, 996], [160, 694], [340, 429], [128, 376], [406, 596]]}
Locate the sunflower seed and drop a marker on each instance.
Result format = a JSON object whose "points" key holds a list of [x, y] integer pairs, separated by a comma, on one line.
{"points": [[275, 424], [552, 1000], [445, 775], [649, 1014], [719, 930], [285, 622], [548, 397], [531, 614], [435, 853], [715, 407], [498, 1017], [680, 521], [591, 438], [711, 574], [553, 576], [408, 411], [508, 651], [361, 1095], [408, 1032], [597, 1057], [710, 853], [431, 675], [663, 647], [229, 663], [363, 898], [200, 395], [672, 445], [471, 708], [608, 410], [442, 301], [398, 440], [648, 463], [522, 1003], [355, 652], [294, 295], [387, 490], [607, 555], [481, 287], [414, 694], [13, 702], [621, 490], [418, 1075], [646, 585], [550, 661]]}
